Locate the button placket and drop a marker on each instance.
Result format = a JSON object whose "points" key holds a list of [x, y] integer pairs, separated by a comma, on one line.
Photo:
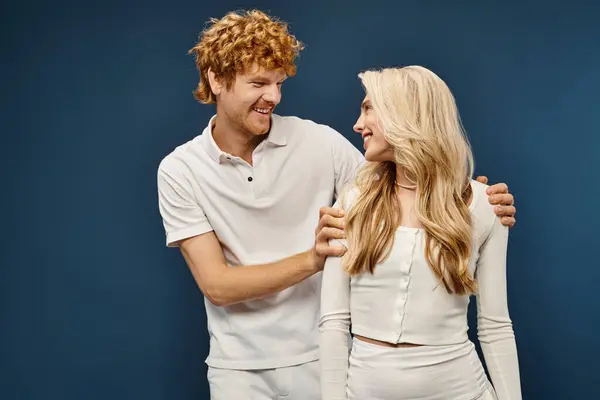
{"points": [[248, 172], [245, 169], [260, 160], [406, 267]]}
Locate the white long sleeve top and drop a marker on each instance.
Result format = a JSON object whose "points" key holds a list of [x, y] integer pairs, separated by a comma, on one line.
{"points": [[403, 301]]}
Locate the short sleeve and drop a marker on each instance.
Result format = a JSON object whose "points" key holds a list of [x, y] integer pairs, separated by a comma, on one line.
{"points": [[181, 214]]}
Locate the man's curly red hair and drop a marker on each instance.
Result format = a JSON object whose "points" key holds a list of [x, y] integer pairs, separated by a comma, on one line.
{"points": [[239, 40]]}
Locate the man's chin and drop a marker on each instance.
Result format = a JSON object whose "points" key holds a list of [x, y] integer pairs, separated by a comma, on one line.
{"points": [[260, 129]]}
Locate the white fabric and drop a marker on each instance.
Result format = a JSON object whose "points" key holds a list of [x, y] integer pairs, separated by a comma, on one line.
{"points": [[403, 301], [298, 382], [448, 372], [299, 168]]}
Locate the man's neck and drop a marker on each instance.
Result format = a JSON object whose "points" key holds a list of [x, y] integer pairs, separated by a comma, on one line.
{"points": [[232, 141]]}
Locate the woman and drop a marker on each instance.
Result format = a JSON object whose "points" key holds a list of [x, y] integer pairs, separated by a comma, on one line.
{"points": [[421, 238]]}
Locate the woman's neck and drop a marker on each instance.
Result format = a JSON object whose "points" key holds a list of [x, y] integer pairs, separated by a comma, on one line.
{"points": [[401, 179]]}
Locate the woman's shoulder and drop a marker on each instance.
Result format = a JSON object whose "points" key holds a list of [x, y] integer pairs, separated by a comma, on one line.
{"points": [[348, 196], [478, 189], [482, 211]]}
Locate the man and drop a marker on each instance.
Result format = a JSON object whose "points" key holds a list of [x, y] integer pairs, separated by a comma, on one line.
{"points": [[241, 202]]}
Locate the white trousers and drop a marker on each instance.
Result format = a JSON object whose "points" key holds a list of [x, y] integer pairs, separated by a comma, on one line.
{"points": [[452, 372], [299, 382]]}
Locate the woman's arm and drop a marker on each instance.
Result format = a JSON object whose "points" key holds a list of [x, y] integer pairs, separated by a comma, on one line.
{"points": [[494, 326], [334, 327]]}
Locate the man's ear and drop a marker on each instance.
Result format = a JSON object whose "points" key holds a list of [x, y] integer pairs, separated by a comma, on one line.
{"points": [[215, 84]]}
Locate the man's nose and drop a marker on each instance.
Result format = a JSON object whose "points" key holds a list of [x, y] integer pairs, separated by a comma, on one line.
{"points": [[273, 94]]}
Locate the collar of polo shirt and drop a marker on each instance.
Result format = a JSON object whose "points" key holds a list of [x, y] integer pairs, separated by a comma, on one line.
{"points": [[276, 137]]}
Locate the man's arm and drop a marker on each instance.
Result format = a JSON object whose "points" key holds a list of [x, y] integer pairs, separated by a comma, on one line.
{"points": [[224, 285], [332, 220], [188, 228]]}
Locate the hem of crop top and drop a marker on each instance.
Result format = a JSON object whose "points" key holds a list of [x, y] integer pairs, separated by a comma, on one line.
{"points": [[269, 363], [403, 338]]}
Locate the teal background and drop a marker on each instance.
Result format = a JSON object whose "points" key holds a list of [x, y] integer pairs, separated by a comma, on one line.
{"points": [[93, 306]]}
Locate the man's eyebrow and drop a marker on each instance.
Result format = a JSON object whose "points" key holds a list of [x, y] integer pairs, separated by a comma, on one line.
{"points": [[257, 78], [262, 78]]}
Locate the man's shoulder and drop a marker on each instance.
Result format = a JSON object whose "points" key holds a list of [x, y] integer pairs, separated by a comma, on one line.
{"points": [[181, 155], [294, 120], [314, 134], [302, 125]]}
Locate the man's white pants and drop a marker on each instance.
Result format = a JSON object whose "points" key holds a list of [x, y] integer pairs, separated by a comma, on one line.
{"points": [[298, 382]]}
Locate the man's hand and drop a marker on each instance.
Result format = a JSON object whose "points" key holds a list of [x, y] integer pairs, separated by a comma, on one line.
{"points": [[331, 226], [504, 201]]}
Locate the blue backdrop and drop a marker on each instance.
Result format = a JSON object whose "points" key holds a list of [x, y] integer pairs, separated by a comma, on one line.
{"points": [[95, 94]]}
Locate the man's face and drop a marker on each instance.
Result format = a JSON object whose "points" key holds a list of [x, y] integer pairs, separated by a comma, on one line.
{"points": [[251, 99]]}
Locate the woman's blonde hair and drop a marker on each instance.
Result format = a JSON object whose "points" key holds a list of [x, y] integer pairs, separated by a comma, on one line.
{"points": [[230, 45], [418, 116]]}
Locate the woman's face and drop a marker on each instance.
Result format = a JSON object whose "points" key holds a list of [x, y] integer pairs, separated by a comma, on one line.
{"points": [[375, 145]]}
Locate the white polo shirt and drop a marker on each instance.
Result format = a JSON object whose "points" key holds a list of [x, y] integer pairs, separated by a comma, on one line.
{"points": [[261, 214]]}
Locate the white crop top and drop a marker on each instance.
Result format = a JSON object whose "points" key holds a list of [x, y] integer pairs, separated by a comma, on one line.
{"points": [[403, 301]]}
